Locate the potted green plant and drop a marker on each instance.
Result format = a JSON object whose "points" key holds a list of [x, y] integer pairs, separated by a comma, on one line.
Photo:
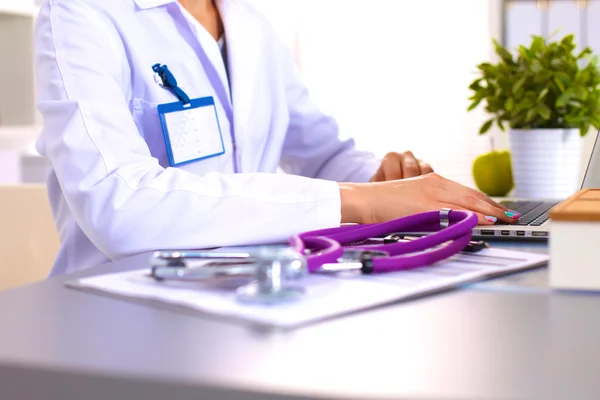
{"points": [[547, 96]]}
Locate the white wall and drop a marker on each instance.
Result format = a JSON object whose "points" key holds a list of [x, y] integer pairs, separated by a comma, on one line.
{"points": [[395, 73]]}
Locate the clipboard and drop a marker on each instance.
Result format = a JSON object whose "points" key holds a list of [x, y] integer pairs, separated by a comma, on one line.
{"points": [[326, 296]]}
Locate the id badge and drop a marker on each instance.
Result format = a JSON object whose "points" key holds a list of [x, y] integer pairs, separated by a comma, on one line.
{"points": [[191, 131]]}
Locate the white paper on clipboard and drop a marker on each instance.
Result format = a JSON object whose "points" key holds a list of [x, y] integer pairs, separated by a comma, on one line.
{"points": [[325, 296]]}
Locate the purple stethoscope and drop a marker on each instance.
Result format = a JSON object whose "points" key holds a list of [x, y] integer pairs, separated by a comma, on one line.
{"points": [[268, 272]]}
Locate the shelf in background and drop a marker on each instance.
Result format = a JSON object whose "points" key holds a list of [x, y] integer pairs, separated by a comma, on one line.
{"points": [[18, 137], [25, 8]]}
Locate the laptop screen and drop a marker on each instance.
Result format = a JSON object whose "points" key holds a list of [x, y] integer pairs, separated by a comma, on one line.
{"points": [[591, 178]]}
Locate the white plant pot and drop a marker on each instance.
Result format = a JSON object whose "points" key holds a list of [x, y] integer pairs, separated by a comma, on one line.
{"points": [[545, 162]]}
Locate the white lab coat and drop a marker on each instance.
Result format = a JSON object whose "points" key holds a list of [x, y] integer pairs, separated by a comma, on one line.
{"points": [[111, 189]]}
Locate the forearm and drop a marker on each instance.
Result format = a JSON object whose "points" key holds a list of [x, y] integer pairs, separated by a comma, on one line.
{"points": [[351, 202]]}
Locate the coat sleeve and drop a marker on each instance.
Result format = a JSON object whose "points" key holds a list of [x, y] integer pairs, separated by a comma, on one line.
{"points": [[119, 195], [313, 147]]}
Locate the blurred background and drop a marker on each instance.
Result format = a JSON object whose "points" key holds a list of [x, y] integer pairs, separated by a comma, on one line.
{"points": [[394, 73]]}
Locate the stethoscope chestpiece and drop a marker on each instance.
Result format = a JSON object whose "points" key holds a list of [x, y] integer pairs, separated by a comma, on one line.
{"points": [[271, 271], [276, 269]]}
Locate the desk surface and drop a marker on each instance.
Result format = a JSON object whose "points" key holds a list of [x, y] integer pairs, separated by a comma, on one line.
{"points": [[17, 137], [510, 338]]}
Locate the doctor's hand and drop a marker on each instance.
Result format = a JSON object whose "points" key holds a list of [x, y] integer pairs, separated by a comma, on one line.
{"points": [[368, 203], [400, 166]]}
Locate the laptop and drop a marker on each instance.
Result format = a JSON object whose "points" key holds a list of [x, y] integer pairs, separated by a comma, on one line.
{"points": [[534, 221]]}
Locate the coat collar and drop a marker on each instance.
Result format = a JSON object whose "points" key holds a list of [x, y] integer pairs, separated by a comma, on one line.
{"points": [[245, 37], [147, 4]]}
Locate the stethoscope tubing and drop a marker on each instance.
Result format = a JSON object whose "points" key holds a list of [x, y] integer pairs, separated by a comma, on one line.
{"points": [[327, 246]]}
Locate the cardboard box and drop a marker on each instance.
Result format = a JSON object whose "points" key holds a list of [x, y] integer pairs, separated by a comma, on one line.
{"points": [[575, 242]]}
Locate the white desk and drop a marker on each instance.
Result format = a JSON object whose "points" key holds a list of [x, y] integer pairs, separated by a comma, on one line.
{"points": [[510, 338], [18, 137]]}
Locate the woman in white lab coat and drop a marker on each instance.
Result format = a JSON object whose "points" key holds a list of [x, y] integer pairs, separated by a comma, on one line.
{"points": [[122, 183]]}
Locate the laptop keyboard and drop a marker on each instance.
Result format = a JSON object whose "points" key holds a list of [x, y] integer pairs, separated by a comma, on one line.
{"points": [[533, 213]]}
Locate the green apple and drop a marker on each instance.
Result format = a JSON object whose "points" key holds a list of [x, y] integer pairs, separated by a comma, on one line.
{"points": [[492, 173]]}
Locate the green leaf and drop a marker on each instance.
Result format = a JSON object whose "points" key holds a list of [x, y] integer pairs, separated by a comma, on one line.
{"points": [[531, 114], [474, 104], [525, 53], [519, 85], [537, 68], [543, 93], [503, 53], [544, 111], [595, 120], [581, 93], [584, 53], [563, 99], [485, 67], [509, 104], [572, 119], [564, 78], [568, 40], [500, 125], [476, 84], [537, 44], [555, 32], [585, 76], [544, 77], [560, 85], [584, 127], [486, 126]]}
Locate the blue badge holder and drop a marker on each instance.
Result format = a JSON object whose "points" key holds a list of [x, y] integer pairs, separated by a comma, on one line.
{"points": [[184, 104], [179, 107]]}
